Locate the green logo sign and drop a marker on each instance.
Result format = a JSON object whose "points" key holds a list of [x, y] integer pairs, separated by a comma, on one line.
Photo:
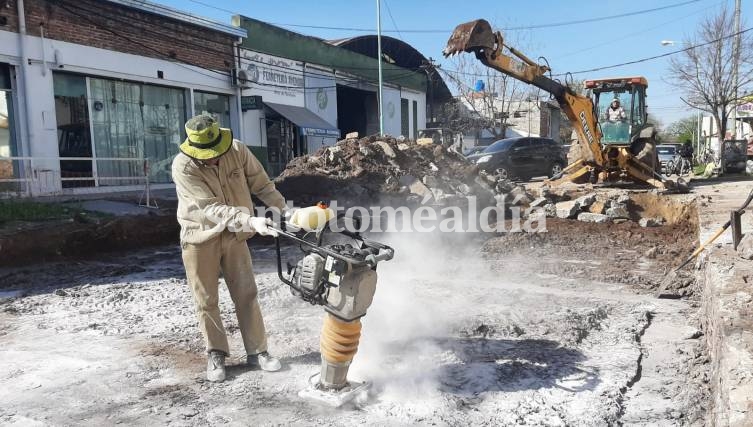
{"points": [[321, 98]]}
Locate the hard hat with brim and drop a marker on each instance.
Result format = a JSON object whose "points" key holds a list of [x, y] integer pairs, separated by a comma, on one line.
{"points": [[205, 140]]}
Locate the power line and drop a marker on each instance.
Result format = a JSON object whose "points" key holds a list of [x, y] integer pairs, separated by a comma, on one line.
{"points": [[637, 32], [622, 64], [445, 31], [601, 18], [651, 58], [389, 12]]}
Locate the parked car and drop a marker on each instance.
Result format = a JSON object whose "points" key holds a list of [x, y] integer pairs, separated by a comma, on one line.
{"points": [[735, 155], [522, 158], [666, 153], [473, 150]]}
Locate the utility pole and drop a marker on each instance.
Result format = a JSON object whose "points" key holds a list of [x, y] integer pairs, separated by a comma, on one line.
{"points": [[379, 61], [736, 58], [429, 67]]}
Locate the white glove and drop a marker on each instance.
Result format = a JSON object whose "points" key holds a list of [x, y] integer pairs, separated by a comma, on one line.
{"points": [[261, 226]]}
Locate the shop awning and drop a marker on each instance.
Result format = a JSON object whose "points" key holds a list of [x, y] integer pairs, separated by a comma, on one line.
{"points": [[310, 123]]}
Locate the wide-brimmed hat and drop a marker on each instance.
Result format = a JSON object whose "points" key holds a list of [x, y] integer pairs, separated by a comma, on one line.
{"points": [[206, 140]]}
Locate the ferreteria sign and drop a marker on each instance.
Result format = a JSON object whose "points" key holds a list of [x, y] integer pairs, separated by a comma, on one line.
{"points": [[276, 79]]}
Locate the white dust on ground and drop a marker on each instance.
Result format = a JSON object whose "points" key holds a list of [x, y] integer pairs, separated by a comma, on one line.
{"points": [[450, 339]]}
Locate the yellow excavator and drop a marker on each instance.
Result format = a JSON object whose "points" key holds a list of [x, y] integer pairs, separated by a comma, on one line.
{"points": [[619, 147]]}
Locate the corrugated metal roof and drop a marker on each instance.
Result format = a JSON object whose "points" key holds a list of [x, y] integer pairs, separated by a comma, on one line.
{"points": [[169, 12]]}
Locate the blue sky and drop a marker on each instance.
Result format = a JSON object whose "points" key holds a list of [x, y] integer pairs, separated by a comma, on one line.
{"points": [[568, 48]]}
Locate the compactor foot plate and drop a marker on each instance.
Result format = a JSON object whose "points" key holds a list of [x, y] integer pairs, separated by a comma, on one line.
{"points": [[354, 392]]}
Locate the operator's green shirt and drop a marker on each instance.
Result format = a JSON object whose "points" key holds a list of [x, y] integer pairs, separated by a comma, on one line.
{"points": [[219, 192]]}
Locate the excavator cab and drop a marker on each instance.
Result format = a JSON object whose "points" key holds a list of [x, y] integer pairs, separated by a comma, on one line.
{"points": [[620, 126]]}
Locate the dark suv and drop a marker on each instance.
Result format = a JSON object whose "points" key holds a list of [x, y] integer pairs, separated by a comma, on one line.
{"points": [[522, 158]]}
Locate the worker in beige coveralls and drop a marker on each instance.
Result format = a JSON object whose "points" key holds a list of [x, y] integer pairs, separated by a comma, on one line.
{"points": [[215, 177]]}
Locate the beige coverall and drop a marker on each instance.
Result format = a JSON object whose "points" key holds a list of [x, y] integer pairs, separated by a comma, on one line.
{"points": [[207, 193]]}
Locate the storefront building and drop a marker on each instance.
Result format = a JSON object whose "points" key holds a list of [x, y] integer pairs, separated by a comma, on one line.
{"points": [[94, 95], [303, 93]]}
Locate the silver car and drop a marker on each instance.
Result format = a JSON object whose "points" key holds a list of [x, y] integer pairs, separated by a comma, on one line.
{"points": [[665, 152]]}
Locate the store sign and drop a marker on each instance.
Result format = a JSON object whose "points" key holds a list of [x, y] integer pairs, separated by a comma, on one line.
{"points": [[278, 80], [320, 132], [745, 110], [251, 103]]}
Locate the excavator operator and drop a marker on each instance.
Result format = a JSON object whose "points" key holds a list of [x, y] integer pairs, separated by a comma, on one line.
{"points": [[615, 112]]}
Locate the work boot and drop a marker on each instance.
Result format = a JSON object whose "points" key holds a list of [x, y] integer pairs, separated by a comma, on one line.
{"points": [[216, 366], [264, 361]]}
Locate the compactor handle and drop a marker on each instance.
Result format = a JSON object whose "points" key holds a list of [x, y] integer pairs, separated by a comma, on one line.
{"points": [[385, 254]]}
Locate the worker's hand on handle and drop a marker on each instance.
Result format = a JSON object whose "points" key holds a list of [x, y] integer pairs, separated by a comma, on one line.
{"points": [[262, 226]]}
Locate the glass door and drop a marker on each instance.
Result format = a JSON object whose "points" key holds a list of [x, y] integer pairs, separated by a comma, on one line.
{"points": [[74, 136], [8, 168]]}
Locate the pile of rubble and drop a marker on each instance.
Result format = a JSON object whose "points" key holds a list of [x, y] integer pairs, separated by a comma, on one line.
{"points": [[614, 207], [373, 167]]}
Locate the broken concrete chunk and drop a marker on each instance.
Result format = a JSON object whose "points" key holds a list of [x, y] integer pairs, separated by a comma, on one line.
{"points": [[618, 211], [623, 199], [402, 146], [585, 201], [351, 135], [388, 151], [650, 222], [567, 209], [540, 202], [592, 217], [745, 248], [420, 189], [597, 207], [551, 210]]}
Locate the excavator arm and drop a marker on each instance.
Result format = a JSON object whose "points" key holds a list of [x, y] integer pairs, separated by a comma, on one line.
{"points": [[478, 38]]}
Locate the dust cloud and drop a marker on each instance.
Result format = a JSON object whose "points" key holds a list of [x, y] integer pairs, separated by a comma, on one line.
{"points": [[410, 315]]}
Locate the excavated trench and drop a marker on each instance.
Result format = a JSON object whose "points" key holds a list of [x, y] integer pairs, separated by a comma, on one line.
{"points": [[556, 328]]}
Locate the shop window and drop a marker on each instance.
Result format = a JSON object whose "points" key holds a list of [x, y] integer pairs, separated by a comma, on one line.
{"points": [[74, 138], [216, 105], [133, 121], [7, 135]]}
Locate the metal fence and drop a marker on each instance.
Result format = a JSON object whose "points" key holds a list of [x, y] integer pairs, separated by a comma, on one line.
{"points": [[46, 176]]}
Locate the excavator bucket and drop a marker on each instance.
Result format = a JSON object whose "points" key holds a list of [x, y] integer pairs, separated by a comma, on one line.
{"points": [[470, 37]]}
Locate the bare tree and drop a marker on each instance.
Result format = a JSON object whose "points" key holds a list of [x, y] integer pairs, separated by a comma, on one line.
{"points": [[705, 70]]}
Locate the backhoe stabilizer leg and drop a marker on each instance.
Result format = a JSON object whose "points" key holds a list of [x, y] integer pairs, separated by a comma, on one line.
{"points": [[562, 176]]}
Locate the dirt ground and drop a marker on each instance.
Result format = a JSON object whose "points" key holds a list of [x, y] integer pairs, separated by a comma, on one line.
{"points": [[557, 328]]}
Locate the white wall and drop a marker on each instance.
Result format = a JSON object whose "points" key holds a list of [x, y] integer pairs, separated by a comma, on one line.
{"points": [[70, 57], [321, 94], [391, 111], [420, 97]]}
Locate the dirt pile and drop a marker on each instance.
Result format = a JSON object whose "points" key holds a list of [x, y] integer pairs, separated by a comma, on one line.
{"points": [[373, 167]]}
